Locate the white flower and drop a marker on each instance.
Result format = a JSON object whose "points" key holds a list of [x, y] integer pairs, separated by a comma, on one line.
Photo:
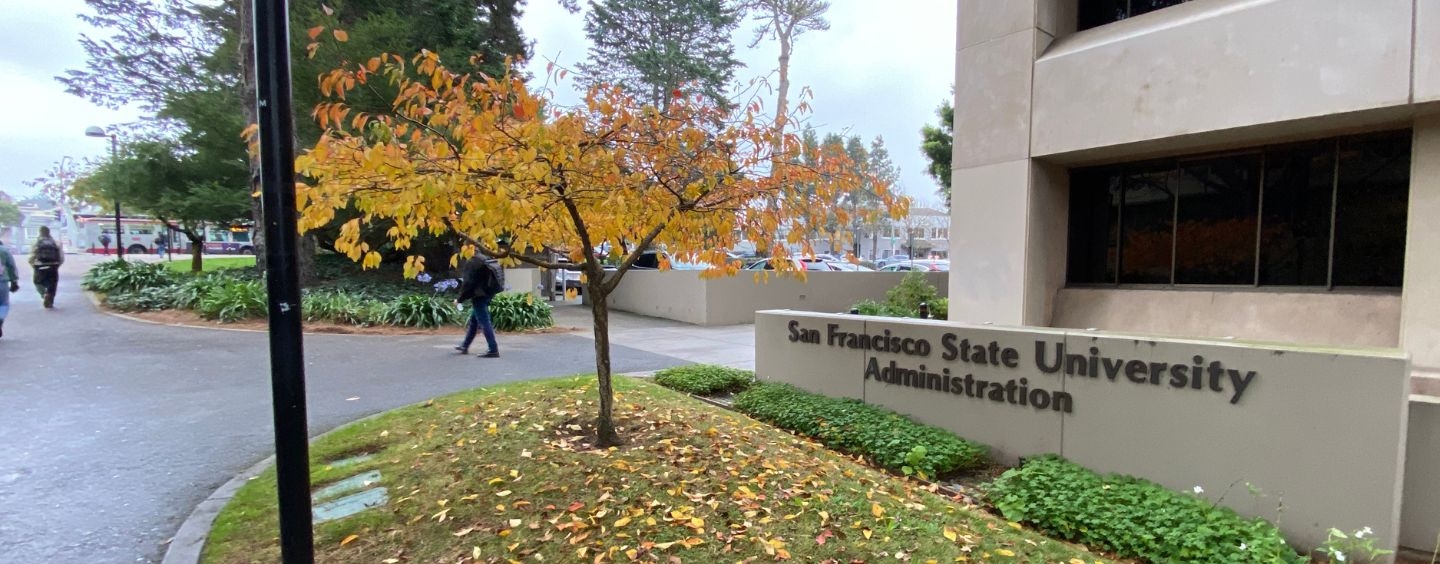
{"points": [[1199, 490], [1339, 556], [1243, 546], [1362, 532]]}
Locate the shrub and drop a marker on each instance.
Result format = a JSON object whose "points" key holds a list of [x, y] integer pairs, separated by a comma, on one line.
{"points": [[337, 307], [940, 309], [870, 307], [854, 427], [517, 311], [122, 276], [705, 379], [233, 300], [912, 291], [1131, 517], [144, 299], [417, 310]]}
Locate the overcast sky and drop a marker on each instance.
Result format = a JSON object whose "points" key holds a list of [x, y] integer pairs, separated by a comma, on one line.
{"points": [[881, 69]]}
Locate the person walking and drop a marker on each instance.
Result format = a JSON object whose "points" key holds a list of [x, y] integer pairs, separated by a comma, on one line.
{"points": [[482, 280], [105, 243], [9, 283], [46, 256]]}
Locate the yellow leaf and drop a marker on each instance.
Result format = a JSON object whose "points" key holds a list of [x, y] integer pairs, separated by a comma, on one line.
{"points": [[1005, 552], [502, 493], [349, 540], [1076, 561], [621, 522], [1016, 526], [867, 533], [950, 534], [341, 36], [876, 510]]}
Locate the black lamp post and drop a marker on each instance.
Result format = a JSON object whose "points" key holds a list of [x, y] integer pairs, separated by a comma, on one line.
{"points": [[93, 131]]}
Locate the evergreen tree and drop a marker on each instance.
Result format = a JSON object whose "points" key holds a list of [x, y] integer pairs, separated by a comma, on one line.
{"points": [[654, 48], [937, 146]]}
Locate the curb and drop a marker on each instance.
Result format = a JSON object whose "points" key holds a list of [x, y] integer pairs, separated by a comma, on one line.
{"points": [[188, 543]]}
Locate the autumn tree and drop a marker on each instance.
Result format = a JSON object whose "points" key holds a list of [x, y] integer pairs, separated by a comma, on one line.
{"points": [[653, 48], [478, 155], [784, 21], [937, 144]]}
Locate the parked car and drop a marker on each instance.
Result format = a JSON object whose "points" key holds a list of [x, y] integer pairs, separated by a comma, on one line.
{"points": [[918, 265], [799, 264], [846, 266], [892, 259]]}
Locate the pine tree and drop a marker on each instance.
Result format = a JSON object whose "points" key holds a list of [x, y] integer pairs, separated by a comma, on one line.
{"points": [[654, 48], [937, 145]]}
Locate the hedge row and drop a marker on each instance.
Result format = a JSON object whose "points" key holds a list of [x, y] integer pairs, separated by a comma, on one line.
{"points": [[1131, 517], [237, 294], [705, 379], [854, 427]]}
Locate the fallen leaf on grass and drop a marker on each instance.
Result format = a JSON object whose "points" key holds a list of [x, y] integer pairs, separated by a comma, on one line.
{"points": [[349, 540]]}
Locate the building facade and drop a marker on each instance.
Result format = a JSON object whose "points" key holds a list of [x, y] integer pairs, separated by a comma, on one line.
{"points": [[1256, 169]]}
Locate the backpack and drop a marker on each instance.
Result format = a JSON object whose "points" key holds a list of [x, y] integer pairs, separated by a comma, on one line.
{"points": [[47, 252], [495, 282]]}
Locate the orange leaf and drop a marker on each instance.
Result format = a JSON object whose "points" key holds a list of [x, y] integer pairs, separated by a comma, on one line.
{"points": [[349, 540], [340, 35], [315, 31]]}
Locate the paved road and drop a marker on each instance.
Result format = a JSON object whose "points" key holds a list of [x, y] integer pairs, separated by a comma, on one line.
{"points": [[111, 431]]}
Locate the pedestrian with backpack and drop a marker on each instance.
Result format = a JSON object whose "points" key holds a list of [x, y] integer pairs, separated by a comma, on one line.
{"points": [[9, 277], [482, 281], [46, 256]]}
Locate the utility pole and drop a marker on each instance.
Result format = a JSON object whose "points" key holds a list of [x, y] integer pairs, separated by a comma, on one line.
{"points": [[282, 277]]}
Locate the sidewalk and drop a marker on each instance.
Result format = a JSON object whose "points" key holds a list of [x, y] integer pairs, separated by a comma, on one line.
{"points": [[731, 345]]}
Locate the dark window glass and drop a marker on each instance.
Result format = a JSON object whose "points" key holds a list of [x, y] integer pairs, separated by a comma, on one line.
{"points": [[1095, 13], [1295, 237], [1138, 7], [1148, 225], [1370, 211], [1094, 226], [1196, 221], [1215, 227]]}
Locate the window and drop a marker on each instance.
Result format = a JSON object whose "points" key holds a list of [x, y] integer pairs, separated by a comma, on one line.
{"points": [[240, 236], [1327, 213], [1095, 13]]}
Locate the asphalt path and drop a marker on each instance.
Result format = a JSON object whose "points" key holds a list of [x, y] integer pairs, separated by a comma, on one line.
{"points": [[112, 430]]}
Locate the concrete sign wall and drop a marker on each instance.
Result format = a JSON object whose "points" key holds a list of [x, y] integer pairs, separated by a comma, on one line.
{"points": [[1317, 431], [732, 300]]}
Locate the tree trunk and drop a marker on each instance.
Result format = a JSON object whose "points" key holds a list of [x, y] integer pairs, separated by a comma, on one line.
{"points": [[782, 104], [605, 435], [197, 261], [246, 46]]}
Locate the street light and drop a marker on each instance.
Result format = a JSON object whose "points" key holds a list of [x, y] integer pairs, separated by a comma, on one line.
{"points": [[94, 131]]}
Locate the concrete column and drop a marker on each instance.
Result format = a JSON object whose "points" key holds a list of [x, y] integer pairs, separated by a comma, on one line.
{"points": [[1420, 301], [1008, 212]]}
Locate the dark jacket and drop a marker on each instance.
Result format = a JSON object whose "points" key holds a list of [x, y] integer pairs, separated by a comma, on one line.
{"points": [[46, 242], [478, 274]]}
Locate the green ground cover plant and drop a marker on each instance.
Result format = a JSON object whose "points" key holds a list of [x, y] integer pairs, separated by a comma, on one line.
{"points": [[518, 311], [506, 474], [122, 276], [850, 426], [705, 379], [1131, 517], [347, 297]]}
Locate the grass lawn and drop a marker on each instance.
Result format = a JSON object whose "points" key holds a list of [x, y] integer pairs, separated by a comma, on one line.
{"points": [[502, 474], [212, 263]]}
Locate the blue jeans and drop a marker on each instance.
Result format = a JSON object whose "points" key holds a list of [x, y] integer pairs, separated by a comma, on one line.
{"points": [[480, 320], [4, 300]]}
